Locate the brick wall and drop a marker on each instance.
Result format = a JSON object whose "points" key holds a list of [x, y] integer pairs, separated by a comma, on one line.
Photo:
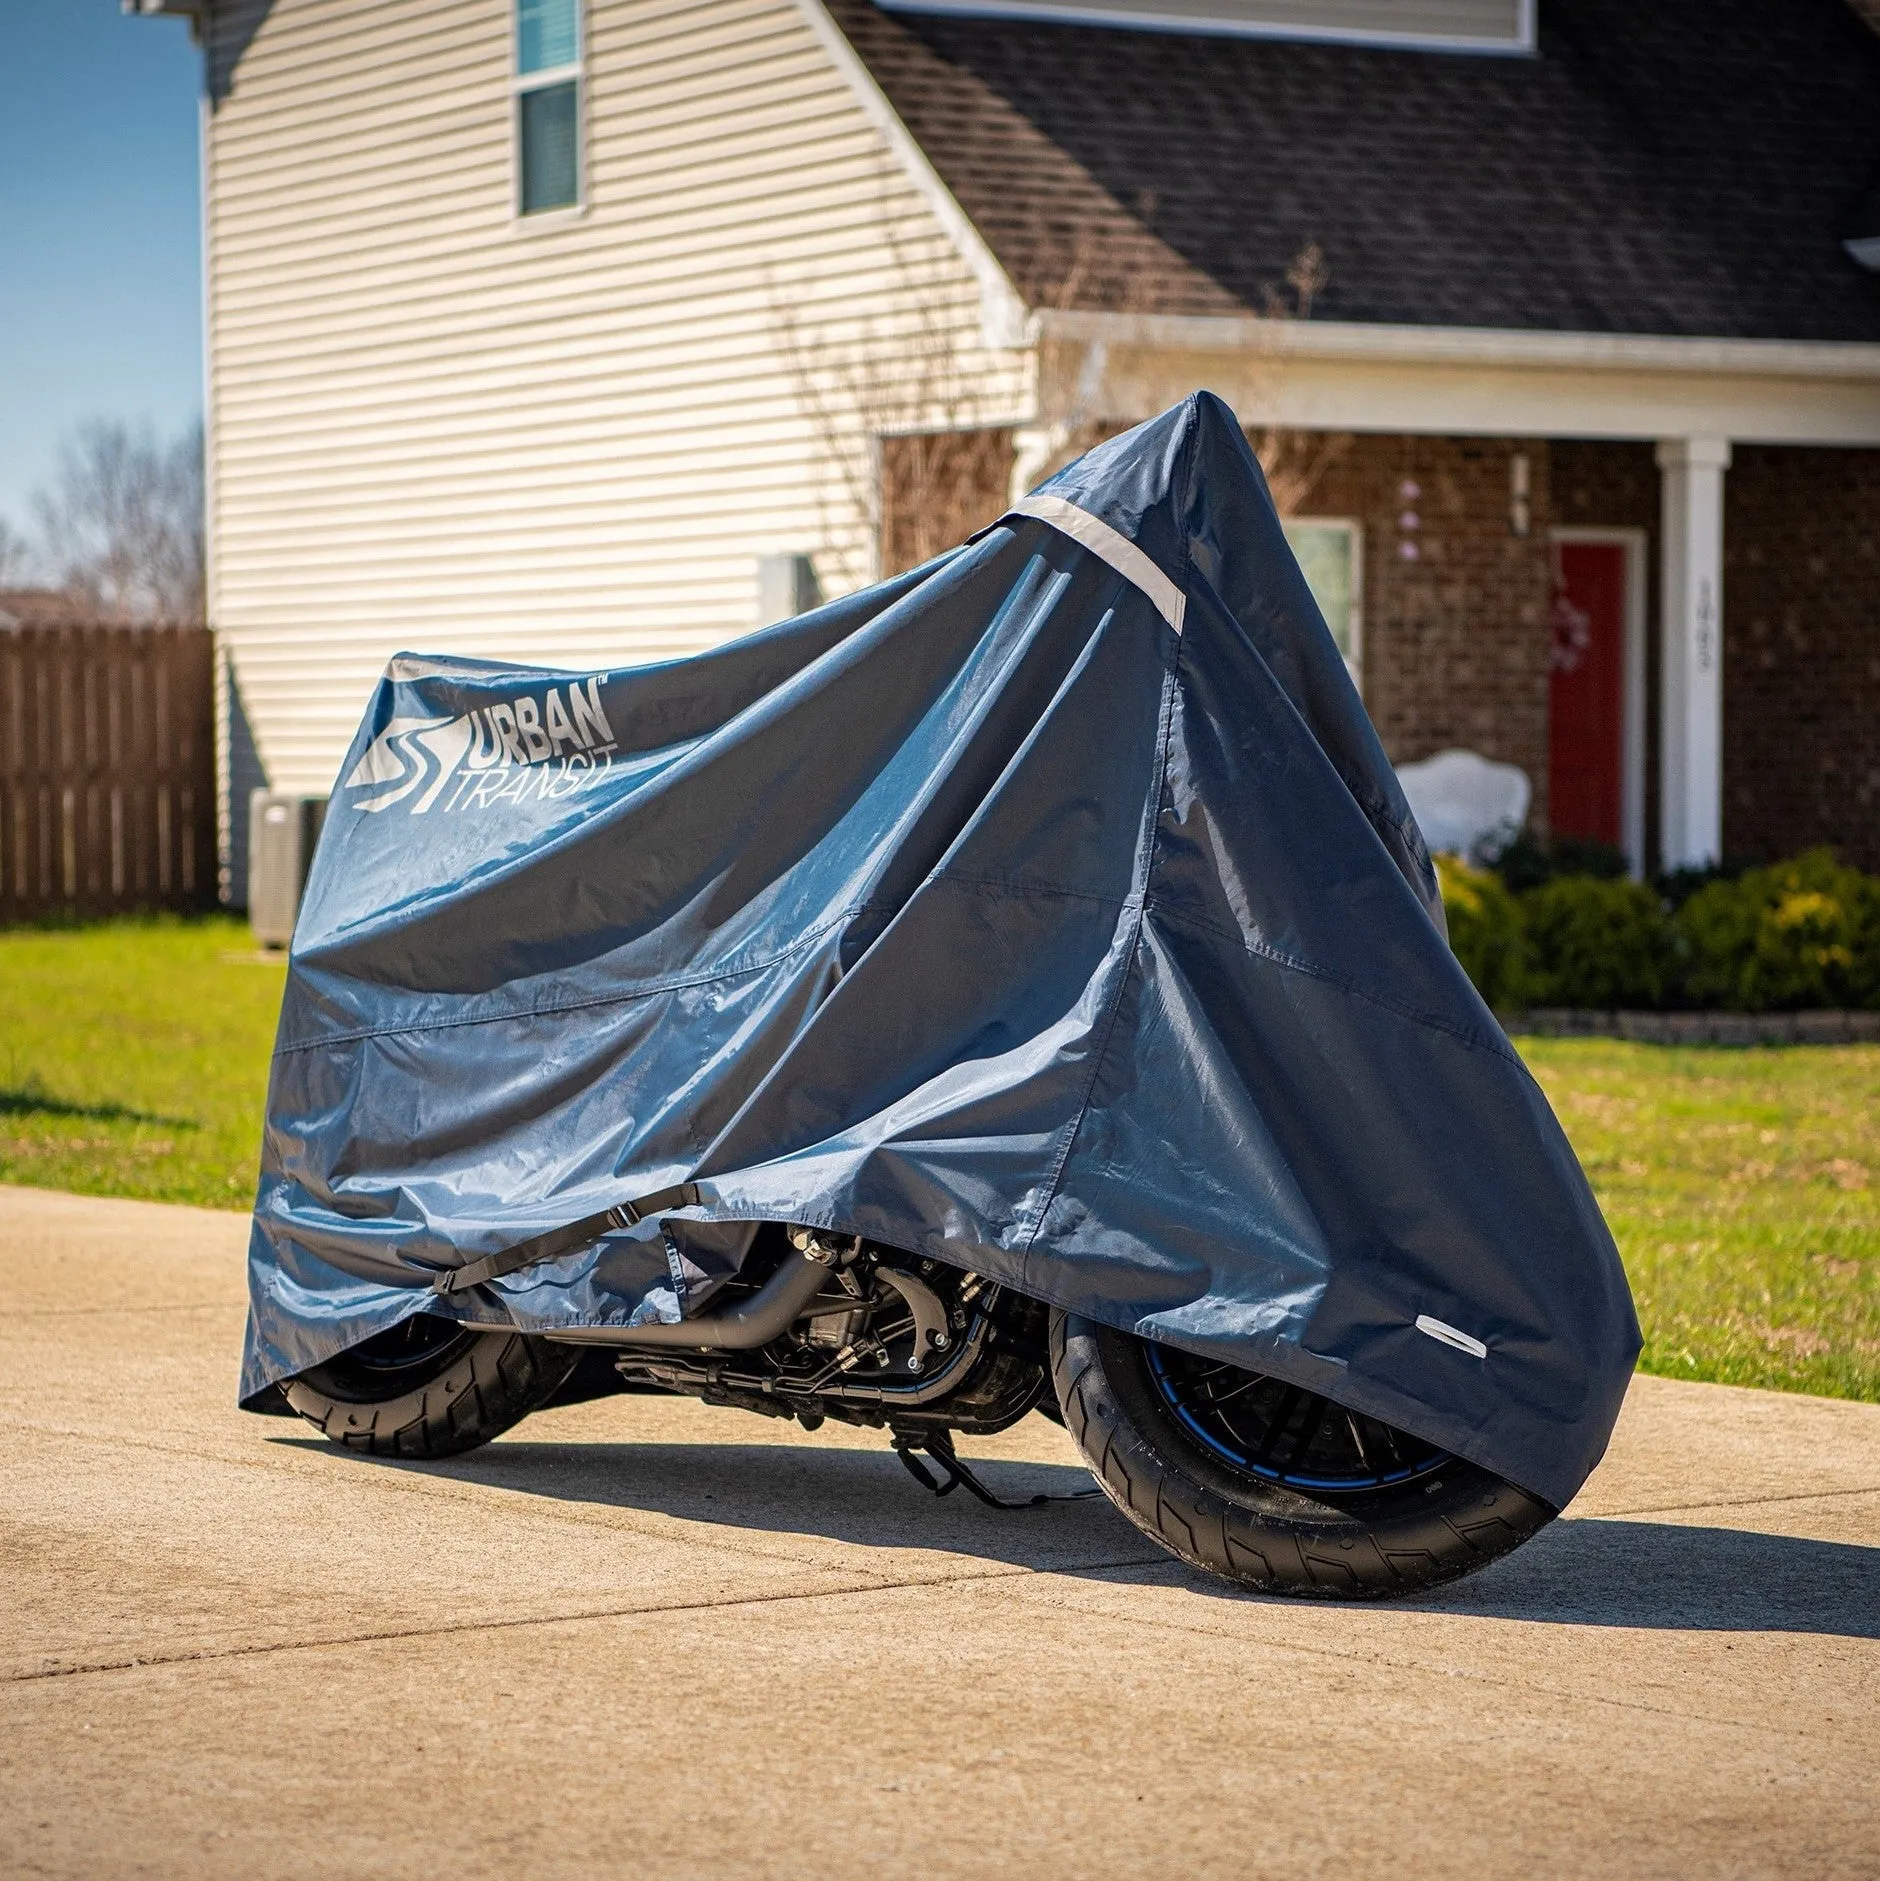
{"points": [[1455, 641], [1801, 652]]}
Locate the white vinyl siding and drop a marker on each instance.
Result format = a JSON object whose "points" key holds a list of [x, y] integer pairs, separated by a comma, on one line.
{"points": [[564, 439]]}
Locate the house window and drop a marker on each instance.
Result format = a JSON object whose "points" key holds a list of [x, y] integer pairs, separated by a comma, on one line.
{"points": [[1331, 557], [548, 105]]}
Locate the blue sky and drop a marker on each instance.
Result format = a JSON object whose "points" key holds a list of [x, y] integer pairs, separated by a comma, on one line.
{"points": [[100, 243]]}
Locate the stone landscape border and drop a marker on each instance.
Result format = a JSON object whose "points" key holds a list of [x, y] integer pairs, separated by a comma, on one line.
{"points": [[1702, 1028]]}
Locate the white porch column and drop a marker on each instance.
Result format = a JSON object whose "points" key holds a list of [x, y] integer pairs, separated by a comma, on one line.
{"points": [[1691, 747]]}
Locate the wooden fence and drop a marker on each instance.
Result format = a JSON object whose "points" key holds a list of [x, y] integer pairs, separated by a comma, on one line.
{"points": [[107, 770]]}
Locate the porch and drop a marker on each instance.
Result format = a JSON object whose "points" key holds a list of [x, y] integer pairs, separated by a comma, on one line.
{"points": [[1511, 595]]}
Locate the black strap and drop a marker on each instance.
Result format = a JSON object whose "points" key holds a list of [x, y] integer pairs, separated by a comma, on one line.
{"points": [[565, 1240]]}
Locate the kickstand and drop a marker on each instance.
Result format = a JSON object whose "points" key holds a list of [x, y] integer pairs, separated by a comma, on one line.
{"points": [[939, 1446]]}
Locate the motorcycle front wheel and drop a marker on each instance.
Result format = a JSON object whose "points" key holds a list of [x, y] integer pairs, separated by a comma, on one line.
{"points": [[1272, 1486]]}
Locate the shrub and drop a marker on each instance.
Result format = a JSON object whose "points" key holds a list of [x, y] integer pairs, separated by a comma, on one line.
{"points": [[1530, 860], [1677, 886], [1801, 933], [1797, 934], [1593, 941], [1484, 930]]}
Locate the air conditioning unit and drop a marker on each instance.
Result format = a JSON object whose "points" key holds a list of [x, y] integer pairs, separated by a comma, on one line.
{"points": [[282, 831], [786, 587]]}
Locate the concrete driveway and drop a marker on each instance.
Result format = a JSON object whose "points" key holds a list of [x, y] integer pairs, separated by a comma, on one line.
{"points": [[642, 1637]]}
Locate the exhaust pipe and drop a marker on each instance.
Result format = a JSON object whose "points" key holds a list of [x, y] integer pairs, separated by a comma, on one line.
{"points": [[752, 1322]]}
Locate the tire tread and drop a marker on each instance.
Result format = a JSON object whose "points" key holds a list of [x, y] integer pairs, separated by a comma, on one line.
{"points": [[496, 1382], [1474, 1519]]}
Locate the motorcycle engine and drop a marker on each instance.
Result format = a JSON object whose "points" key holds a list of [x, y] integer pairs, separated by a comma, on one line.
{"points": [[889, 1338]]}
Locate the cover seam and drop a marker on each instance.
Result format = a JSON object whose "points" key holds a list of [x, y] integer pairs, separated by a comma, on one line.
{"points": [[1165, 732], [1264, 951], [357, 1034]]}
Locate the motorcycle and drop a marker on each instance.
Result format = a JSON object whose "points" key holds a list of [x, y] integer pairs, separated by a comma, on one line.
{"points": [[1261, 1483], [1031, 983]]}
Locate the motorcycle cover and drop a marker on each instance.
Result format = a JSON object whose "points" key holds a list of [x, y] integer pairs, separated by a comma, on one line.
{"points": [[1051, 910]]}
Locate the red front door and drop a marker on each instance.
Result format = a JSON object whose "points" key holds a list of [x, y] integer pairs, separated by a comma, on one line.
{"points": [[1586, 708]]}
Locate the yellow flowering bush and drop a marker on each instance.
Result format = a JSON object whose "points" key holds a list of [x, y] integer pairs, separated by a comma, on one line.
{"points": [[1484, 930], [1800, 933]]}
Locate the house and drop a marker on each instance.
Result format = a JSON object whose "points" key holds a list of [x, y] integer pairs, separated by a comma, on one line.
{"points": [[592, 331]]}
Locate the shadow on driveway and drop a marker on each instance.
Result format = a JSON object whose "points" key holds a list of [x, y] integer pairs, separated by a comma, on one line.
{"points": [[1666, 1575], [1621, 1573]]}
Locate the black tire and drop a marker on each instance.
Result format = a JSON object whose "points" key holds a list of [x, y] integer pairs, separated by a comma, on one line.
{"points": [[430, 1387], [1435, 1518]]}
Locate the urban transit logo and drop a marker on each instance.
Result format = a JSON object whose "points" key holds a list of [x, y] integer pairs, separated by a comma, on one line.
{"points": [[537, 746]]}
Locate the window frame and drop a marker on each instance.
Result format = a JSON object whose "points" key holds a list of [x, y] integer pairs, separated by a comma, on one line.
{"points": [[1353, 529], [521, 83]]}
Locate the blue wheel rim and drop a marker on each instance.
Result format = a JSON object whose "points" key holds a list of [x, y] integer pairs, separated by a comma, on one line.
{"points": [[1282, 1433]]}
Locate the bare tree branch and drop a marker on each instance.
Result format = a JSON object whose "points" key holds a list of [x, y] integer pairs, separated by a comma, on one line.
{"points": [[888, 395], [121, 528], [1293, 461], [891, 377], [16, 556]]}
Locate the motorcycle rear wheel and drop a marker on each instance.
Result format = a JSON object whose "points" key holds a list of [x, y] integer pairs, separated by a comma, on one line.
{"points": [[429, 1387], [1272, 1487]]}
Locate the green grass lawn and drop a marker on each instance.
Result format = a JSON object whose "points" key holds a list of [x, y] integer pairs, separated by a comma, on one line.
{"points": [[134, 1059], [1743, 1186]]}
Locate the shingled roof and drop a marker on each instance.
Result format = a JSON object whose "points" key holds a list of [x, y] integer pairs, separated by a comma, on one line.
{"points": [[1689, 167]]}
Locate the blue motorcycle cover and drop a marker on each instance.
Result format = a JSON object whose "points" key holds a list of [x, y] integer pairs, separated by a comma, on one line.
{"points": [[1051, 910]]}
